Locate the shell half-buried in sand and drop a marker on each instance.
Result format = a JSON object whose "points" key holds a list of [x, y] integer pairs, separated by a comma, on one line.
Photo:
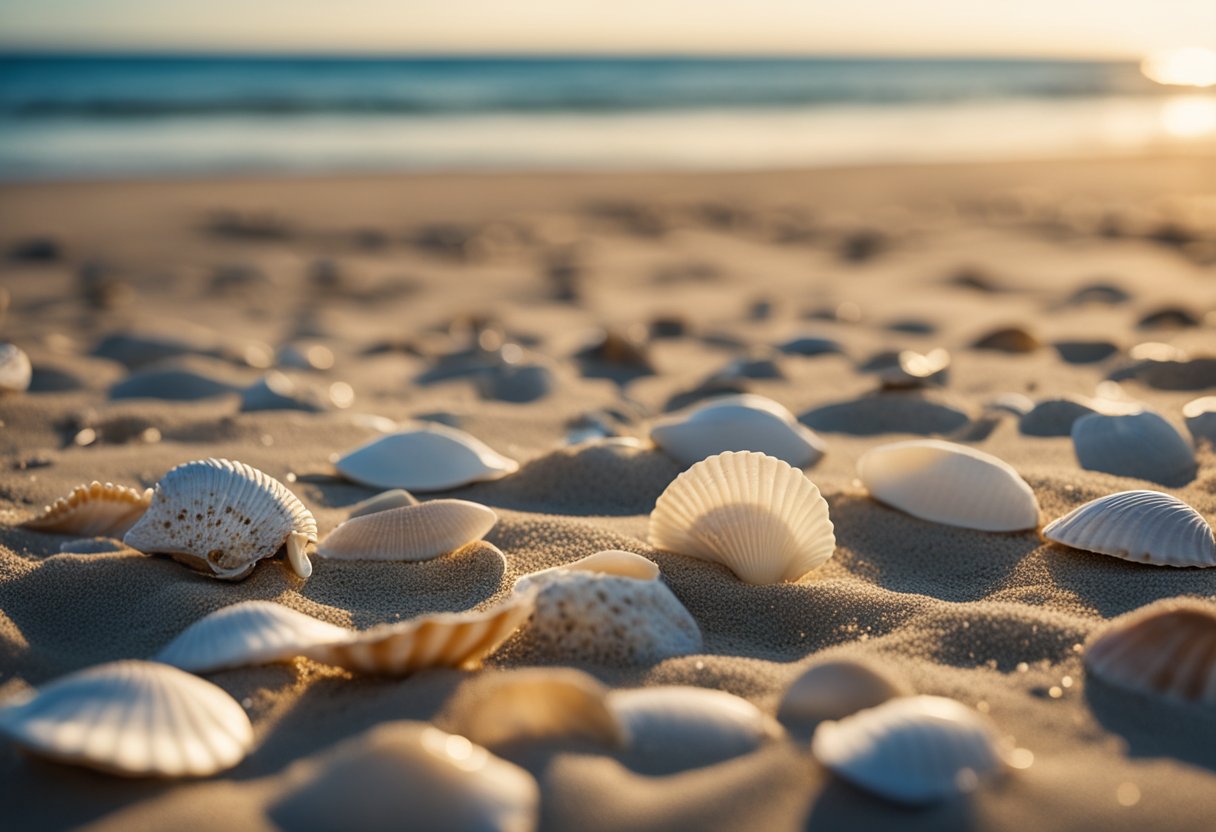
{"points": [[93, 510], [430, 458], [1141, 526], [221, 517], [411, 533], [737, 423]]}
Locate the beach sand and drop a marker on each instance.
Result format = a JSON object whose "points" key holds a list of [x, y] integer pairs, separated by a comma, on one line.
{"points": [[391, 272]]}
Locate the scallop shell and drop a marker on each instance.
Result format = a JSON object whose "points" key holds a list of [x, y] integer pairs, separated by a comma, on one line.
{"points": [[412, 533], [15, 369], [222, 517], [737, 423], [430, 458], [93, 510], [750, 512], [1140, 445], [248, 634], [385, 500], [912, 750], [952, 484], [835, 689], [135, 719], [1165, 649], [1200, 415], [1142, 526]]}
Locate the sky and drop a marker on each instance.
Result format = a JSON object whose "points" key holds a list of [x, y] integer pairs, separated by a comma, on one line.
{"points": [[1071, 28]]}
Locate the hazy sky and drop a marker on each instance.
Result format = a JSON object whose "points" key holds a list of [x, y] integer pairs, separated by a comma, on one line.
{"points": [[1067, 27]]}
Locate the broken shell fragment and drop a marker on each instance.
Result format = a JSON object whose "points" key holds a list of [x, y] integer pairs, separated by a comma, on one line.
{"points": [[93, 510]]}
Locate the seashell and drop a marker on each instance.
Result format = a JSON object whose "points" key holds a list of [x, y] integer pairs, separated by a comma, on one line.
{"points": [[754, 514], [1169, 317], [247, 634], [808, 345], [1007, 339], [15, 369], [1164, 649], [912, 412], [755, 366], [616, 562], [411, 533], [737, 423], [134, 719], [1015, 404], [1085, 352], [908, 369], [516, 383], [952, 484], [430, 458], [276, 391], [1141, 445], [221, 518], [1200, 415], [93, 510], [1055, 417], [170, 384], [912, 750], [409, 774], [1141, 526], [618, 348], [835, 689], [1106, 294], [385, 500]]}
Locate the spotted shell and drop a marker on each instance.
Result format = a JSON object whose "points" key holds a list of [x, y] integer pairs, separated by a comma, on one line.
{"points": [[15, 369], [93, 510], [410, 533], [430, 458], [745, 422], [1165, 649], [1141, 526]]}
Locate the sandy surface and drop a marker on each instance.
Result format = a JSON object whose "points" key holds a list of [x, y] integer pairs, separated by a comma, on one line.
{"points": [[386, 272]]}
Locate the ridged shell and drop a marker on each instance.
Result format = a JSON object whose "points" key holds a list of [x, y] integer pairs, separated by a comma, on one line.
{"points": [[385, 500], [737, 423], [912, 750], [952, 484], [1200, 415], [135, 719], [1165, 649], [222, 517], [412, 533], [1141, 445], [93, 510], [835, 689], [1141, 526], [430, 458], [15, 369], [753, 513], [248, 634]]}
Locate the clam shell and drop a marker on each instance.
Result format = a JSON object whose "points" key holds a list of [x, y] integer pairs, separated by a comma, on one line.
{"points": [[93, 510], [754, 514], [835, 689], [15, 369], [1165, 649], [222, 517], [913, 750], [1141, 526], [385, 500], [1200, 415], [1140, 445], [952, 484], [411, 533], [135, 719], [737, 423], [430, 458]]}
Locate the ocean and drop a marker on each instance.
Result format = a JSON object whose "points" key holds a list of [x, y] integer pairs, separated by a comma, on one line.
{"points": [[68, 116]]}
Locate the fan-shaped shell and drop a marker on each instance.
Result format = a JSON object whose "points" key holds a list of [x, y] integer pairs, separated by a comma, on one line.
{"points": [[135, 719], [412, 533], [1200, 415], [93, 510], [835, 689], [1142, 526], [385, 500], [737, 423], [430, 458], [247, 634], [15, 369], [914, 750], [753, 513], [1141, 445], [222, 517], [947, 483], [1166, 649]]}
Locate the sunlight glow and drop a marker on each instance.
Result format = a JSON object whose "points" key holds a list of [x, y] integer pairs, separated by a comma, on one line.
{"points": [[1189, 116], [1191, 66]]}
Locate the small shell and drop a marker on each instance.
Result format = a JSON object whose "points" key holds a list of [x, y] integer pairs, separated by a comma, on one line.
{"points": [[952, 484], [247, 634], [412, 533], [737, 423], [835, 689], [1007, 339], [909, 370], [809, 345], [1140, 445], [1141, 526], [1166, 649], [15, 369], [93, 510], [430, 458], [134, 719], [1200, 415], [385, 500], [912, 750], [222, 517]]}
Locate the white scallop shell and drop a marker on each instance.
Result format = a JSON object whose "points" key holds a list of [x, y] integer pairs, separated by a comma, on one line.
{"points": [[93, 510], [753, 513], [1200, 415], [393, 498], [430, 458], [745, 422], [1142, 526], [222, 517], [1141, 445], [412, 533], [15, 369], [914, 750], [1165, 649], [248, 634], [135, 719], [952, 484], [835, 689]]}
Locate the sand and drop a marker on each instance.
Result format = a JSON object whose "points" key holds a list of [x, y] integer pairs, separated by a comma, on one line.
{"points": [[388, 271]]}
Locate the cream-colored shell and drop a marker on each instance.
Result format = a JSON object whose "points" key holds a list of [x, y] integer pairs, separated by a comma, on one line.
{"points": [[745, 422], [1141, 526], [1140, 445], [412, 533], [385, 500], [607, 562], [1164, 649], [16, 371], [753, 513], [93, 510], [835, 689], [952, 484], [430, 458], [134, 719]]}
